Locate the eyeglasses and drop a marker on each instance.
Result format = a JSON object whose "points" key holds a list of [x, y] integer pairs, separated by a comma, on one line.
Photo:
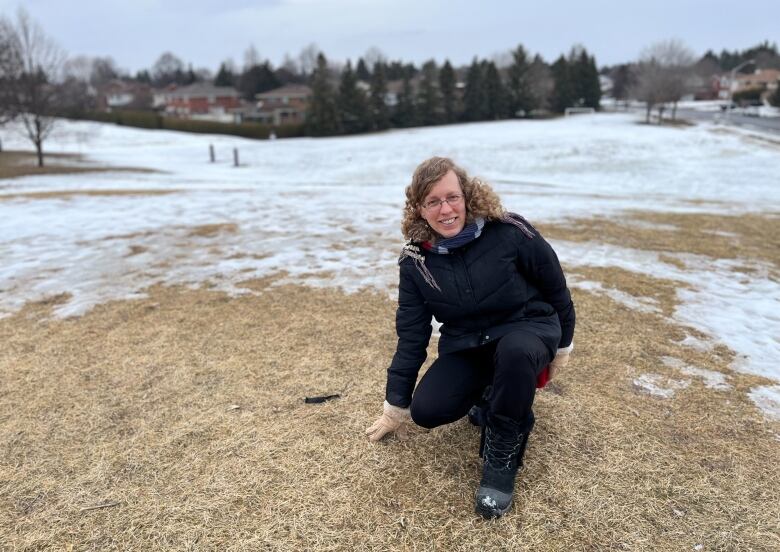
{"points": [[437, 203]]}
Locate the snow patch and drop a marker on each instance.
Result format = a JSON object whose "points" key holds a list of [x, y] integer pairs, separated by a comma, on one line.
{"points": [[642, 304], [712, 379], [767, 398], [660, 386]]}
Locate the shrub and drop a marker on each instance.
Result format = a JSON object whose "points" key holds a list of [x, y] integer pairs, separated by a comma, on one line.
{"points": [[149, 119], [747, 96]]}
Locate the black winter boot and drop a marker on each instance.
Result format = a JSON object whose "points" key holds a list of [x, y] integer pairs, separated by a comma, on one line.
{"points": [[504, 445], [477, 412]]}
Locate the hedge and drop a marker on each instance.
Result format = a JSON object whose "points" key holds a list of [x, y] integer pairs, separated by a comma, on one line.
{"points": [[148, 119]]}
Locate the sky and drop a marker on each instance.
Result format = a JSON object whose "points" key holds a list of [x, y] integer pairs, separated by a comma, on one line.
{"points": [[206, 32]]}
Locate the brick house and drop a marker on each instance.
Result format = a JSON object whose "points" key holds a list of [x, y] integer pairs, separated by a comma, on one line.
{"points": [[201, 100], [119, 94], [280, 106]]}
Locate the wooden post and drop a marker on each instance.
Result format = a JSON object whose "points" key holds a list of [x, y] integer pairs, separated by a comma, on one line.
{"points": [[211, 153], [235, 157]]}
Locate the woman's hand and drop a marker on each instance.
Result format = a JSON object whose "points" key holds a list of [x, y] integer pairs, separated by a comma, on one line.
{"points": [[561, 360], [394, 419]]}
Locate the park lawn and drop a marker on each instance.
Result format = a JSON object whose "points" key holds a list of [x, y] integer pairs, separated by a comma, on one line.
{"points": [[15, 164], [178, 422]]}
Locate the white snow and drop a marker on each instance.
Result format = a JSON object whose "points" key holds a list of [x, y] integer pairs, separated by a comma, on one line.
{"points": [[712, 379], [327, 211], [659, 386]]}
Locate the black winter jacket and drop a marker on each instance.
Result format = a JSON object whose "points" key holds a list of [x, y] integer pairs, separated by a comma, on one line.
{"points": [[500, 282]]}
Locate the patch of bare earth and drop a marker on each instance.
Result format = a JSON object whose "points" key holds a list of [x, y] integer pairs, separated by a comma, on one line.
{"points": [[178, 422], [14, 164]]}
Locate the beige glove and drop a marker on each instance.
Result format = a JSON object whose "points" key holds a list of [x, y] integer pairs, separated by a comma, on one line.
{"points": [[394, 419], [561, 360]]}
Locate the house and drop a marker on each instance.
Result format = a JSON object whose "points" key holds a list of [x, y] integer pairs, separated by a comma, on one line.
{"points": [[201, 100], [281, 106], [120, 94], [764, 79]]}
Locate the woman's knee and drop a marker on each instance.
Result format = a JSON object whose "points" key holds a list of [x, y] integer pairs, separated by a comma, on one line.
{"points": [[423, 415], [520, 356], [429, 415]]}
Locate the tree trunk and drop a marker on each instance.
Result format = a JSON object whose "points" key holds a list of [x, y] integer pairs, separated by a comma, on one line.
{"points": [[647, 114], [674, 111], [38, 141]]}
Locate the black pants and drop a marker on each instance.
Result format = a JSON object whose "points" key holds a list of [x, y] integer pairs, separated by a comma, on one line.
{"points": [[455, 381]]}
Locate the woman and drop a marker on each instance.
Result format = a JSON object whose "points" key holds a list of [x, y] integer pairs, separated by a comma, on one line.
{"points": [[498, 289]]}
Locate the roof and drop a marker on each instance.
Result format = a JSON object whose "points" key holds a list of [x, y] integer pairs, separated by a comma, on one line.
{"points": [[286, 90], [203, 89], [764, 75]]}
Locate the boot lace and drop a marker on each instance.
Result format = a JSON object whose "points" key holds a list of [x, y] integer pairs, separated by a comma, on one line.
{"points": [[500, 453]]}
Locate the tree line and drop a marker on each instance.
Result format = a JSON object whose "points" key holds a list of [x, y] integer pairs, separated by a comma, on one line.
{"points": [[482, 91], [38, 82]]}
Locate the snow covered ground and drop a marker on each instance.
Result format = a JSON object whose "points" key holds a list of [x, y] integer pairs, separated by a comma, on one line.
{"points": [[326, 211]]}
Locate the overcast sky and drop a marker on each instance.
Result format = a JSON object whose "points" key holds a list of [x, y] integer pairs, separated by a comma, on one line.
{"points": [[205, 32]]}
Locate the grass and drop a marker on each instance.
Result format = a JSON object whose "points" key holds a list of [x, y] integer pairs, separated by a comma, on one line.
{"points": [[16, 164], [184, 413], [177, 422]]}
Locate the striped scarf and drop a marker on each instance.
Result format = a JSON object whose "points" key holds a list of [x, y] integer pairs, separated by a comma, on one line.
{"points": [[469, 233]]}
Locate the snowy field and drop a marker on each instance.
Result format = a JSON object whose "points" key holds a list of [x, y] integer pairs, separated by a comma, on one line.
{"points": [[326, 212]]}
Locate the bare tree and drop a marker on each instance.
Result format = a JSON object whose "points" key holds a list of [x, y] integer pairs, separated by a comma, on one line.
{"points": [[10, 70], [251, 57], [307, 59], [168, 69], [663, 75], [373, 56], [35, 86]]}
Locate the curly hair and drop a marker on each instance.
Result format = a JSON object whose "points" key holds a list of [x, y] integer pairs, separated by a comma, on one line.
{"points": [[481, 200]]}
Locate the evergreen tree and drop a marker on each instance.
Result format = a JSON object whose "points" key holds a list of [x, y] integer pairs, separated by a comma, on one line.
{"points": [[362, 71], [563, 90], [143, 76], [395, 70], [497, 101], [542, 84], [257, 79], [322, 118], [352, 103], [622, 81], [224, 76], [379, 112], [405, 114], [584, 78], [428, 97], [521, 96], [475, 100], [189, 76], [447, 89]]}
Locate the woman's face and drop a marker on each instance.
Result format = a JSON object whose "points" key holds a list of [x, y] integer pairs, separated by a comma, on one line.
{"points": [[447, 218]]}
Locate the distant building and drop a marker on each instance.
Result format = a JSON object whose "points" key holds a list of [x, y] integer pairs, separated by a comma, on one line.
{"points": [[281, 106], [119, 94], [201, 100], [764, 79]]}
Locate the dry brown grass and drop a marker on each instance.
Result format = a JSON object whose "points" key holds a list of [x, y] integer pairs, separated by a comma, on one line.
{"points": [[750, 236], [78, 193], [177, 422], [186, 410], [15, 164]]}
